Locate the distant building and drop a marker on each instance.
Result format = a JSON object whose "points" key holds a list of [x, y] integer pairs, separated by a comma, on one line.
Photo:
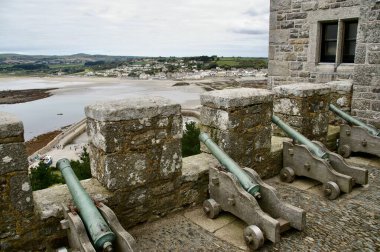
{"points": [[160, 76], [144, 76]]}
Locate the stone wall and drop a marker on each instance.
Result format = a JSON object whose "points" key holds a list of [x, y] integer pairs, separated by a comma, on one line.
{"points": [[15, 188], [294, 40], [239, 121], [42, 231], [366, 90], [147, 129], [135, 150], [294, 49], [136, 164], [304, 107], [341, 97]]}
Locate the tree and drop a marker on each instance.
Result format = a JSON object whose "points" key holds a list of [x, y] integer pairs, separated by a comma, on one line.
{"points": [[82, 167], [171, 68], [190, 142], [42, 177], [133, 74], [210, 65]]}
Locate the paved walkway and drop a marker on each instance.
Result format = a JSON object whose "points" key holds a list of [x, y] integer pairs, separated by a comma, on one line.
{"points": [[349, 223], [70, 151]]}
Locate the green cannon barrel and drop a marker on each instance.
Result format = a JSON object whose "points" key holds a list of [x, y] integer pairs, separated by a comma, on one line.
{"points": [[96, 226], [248, 184], [300, 138], [350, 119]]}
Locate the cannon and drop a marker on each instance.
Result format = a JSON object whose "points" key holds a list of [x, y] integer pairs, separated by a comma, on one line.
{"points": [[91, 227], [313, 160], [359, 137], [241, 192]]}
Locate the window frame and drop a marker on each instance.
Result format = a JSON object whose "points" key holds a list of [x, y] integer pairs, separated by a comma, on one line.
{"points": [[340, 41]]}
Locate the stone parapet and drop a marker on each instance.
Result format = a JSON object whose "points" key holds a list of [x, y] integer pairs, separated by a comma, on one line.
{"points": [[238, 120], [191, 188], [15, 188], [134, 142], [135, 150], [340, 96], [42, 233], [162, 187], [231, 99], [11, 129], [304, 107]]}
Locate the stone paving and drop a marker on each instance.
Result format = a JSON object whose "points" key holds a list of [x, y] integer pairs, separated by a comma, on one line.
{"points": [[177, 233], [349, 223]]}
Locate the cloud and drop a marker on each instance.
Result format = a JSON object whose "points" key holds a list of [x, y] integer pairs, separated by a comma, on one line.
{"points": [[257, 11], [134, 27], [250, 31]]}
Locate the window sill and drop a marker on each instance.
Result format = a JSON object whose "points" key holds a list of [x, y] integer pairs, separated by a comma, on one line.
{"points": [[325, 67], [346, 67], [330, 67]]}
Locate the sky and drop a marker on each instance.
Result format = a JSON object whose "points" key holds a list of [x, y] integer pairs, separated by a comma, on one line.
{"points": [[135, 27]]}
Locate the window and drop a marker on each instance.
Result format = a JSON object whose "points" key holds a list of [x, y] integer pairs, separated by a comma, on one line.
{"points": [[329, 42], [338, 41]]}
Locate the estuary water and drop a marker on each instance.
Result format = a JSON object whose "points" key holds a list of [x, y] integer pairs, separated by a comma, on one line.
{"points": [[66, 105]]}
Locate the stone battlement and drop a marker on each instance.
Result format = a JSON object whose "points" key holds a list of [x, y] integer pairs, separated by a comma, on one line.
{"points": [[136, 159]]}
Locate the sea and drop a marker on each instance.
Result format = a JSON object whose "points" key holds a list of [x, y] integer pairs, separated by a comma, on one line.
{"points": [[66, 105]]}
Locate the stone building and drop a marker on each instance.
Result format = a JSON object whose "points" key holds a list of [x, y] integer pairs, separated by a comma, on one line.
{"points": [[328, 40]]}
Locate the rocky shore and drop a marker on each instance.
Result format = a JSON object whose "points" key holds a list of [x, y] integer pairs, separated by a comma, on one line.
{"points": [[21, 96]]}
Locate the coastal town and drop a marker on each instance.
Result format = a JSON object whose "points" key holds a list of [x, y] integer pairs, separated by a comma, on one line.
{"points": [[137, 68], [179, 70]]}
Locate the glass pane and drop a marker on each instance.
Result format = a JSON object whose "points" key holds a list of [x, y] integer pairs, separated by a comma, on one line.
{"points": [[330, 48], [351, 30], [349, 52], [331, 31], [349, 41], [351, 48]]}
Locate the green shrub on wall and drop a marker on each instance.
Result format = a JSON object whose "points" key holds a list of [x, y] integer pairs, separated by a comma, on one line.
{"points": [[190, 142], [81, 167], [43, 175]]}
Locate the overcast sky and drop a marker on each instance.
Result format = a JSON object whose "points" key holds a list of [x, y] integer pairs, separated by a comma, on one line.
{"points": [[135, 27]]}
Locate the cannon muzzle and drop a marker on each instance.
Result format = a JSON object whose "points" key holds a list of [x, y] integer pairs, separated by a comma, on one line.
{"points": [[96, 226], [372, 130], [247, 183], [312, 147]]}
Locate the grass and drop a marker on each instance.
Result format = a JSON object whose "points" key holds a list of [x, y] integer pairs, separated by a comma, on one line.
{"points": [[231, 63], [241, 62]]}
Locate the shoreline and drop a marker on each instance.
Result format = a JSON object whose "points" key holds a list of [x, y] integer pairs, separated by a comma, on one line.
{"points": [[24, 95], [93, 89], [67, 83], [40, 141], [113, 79]]}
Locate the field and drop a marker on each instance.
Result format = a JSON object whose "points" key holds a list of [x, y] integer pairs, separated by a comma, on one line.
{"points": [[239, 62]]}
